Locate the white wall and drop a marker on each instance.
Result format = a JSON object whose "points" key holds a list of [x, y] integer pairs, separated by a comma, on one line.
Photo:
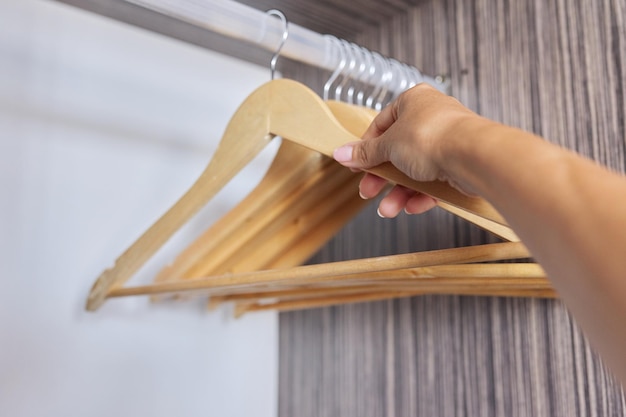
{"points": [[102, 128]]}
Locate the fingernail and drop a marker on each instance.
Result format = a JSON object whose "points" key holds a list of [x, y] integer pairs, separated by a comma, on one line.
{"points": [[379, 213], [343, 154], [362, 196]]}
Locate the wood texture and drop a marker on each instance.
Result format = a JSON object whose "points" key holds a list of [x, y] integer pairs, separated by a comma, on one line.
{"points": [[342, 19], [245, 136], [555, 68], [350, 269], [283, 108], [279, 213]]}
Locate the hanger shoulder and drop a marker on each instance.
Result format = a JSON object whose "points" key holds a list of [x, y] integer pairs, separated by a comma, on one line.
{"points": [[296, 175], [299, 115], [353, 118]]}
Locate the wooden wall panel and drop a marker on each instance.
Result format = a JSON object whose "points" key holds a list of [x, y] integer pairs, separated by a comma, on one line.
{"points": [[345, 19], [556, 68]]}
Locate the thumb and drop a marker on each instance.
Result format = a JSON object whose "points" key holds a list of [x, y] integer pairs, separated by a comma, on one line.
{"points": [[363, 154]]}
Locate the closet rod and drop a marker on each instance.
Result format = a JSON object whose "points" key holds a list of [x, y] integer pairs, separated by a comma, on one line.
{"points": [[238, 21]]}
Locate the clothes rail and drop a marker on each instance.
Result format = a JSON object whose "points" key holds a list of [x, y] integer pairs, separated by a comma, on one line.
{"points": [[238, 21]]}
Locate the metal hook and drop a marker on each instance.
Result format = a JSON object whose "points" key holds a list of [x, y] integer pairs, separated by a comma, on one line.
{"points": [[403, 81], [342, 63], [408, 72], [386, 80], [348, 50], [399, 80], [281, 16], [367, 78], [377, 79], [417, 75], [358, 74]]}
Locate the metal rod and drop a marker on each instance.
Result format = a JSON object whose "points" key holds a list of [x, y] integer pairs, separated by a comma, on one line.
{"points": [[238, 21]]}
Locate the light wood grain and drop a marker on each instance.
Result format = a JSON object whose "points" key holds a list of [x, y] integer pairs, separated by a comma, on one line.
{"points": [[244, 138], [326, 300], [281, 107], [486, 276], [479, 253], [318, 129], [276, 225], [291, 163]]}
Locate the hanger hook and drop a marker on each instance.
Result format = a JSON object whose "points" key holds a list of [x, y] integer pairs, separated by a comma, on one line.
{"points": [[342, 63], [400, 70], [359, 70], [349, 70], [397, 82], [386, 80], [281, 16], [377, 79], [368, 80]]}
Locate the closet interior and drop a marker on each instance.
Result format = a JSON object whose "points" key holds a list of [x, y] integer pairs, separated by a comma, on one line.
{"points": [[554, 68]]}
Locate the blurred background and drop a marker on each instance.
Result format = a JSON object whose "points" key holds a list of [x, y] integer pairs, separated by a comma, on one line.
{"points": [[103, 127]]}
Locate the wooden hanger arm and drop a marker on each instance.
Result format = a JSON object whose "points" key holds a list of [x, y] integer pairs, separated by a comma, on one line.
{"points": [[337, 299], [281, 181], [281, 107], [299, 115], [480, 253], [449, 277], [359, 119], [246, 135], [445, 286]]}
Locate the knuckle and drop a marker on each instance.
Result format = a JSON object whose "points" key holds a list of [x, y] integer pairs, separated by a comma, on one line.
{"points": [[361, 154]]}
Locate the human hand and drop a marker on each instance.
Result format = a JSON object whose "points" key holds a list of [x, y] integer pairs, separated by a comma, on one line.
{"points": [[412, 133]]}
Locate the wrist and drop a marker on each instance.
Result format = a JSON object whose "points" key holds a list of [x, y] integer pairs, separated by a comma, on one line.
{"points": [[460, 146], [463, 146]]}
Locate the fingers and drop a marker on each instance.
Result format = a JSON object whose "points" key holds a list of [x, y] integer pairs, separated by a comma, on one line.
{"points": [[395, 201], [382, 121], [420, 203], [371, 185], [363, 154], [399, 198], [373, 149]]}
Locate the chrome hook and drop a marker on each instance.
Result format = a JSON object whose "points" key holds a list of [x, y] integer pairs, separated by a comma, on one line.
{"points": [[398, 82], [377, 79], [403, 81], [281, 16], [367, 78], [342, 64], [386, 80], [409, 76], [358, 75], [350, 70]]}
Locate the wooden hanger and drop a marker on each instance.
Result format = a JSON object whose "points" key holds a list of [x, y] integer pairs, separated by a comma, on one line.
{"points": [[274, 226], [438, 267], [302, 201], [359, 119], [280, 107], [287, 176]]}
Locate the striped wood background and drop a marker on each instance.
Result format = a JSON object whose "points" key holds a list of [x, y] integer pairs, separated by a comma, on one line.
{"points": [[553, 67], [344, 19]]}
